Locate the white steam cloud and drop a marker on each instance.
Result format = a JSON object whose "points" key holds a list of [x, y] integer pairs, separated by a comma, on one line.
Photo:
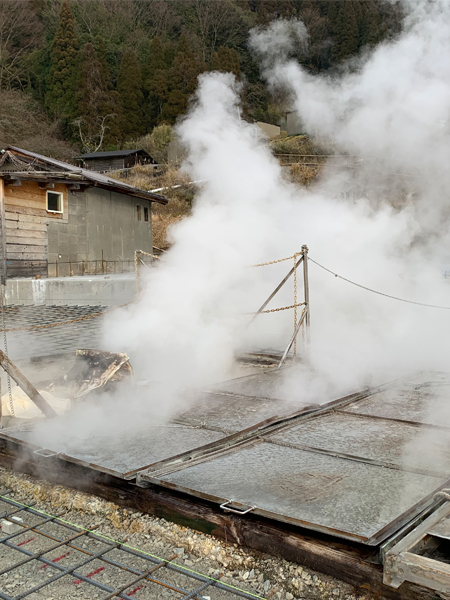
{"points": [[392, 110]]}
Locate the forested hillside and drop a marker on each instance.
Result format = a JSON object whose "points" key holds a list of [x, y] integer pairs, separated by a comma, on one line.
{"points": [[87, 74]]}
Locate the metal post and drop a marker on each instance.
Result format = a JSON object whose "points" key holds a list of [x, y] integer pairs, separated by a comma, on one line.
{"points": [[3, 231], [306, 287], [56, 267]]}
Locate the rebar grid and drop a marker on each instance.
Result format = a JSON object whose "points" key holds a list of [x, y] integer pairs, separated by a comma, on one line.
{"points": [[76, 539]]}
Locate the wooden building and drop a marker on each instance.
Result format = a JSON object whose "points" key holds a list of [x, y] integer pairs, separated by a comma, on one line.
{"points": [[57, 219], [115, 160]]}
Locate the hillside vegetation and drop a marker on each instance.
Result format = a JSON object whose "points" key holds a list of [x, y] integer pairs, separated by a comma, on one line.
{"points": [[99, 74]]}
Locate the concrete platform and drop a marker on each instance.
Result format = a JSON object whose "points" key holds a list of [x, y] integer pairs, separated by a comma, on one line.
{"points": [[105, 290]]}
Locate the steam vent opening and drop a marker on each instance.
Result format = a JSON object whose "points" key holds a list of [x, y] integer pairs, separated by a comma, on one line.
{"points": [[224, 284]]}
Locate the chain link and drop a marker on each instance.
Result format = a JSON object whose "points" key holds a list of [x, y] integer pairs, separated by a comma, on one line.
{"points": [[274, 262], [282, 308]]}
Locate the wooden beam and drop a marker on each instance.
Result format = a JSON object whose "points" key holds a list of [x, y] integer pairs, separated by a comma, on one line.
{"points": [[47, 185], [14, 181], [26, 386]]}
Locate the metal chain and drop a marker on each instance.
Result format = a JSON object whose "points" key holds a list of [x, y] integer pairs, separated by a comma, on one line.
{"points": [[5, 341], [274, 262], [263, 312]]}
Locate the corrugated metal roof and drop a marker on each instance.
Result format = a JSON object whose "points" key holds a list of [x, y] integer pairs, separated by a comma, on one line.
{"points": [[97, 179], [111, 154]]}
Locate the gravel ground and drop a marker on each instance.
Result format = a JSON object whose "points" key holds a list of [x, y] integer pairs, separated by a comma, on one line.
{"points": [[262, 575]]}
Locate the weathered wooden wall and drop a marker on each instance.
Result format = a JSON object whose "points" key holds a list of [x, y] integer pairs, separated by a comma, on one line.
{"points": [[105, 164], [26, 221]]}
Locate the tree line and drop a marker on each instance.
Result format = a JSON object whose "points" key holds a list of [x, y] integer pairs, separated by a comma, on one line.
{"points": [[104, 72]]}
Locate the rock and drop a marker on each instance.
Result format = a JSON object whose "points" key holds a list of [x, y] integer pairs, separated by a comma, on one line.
{"points": [[179, 551], [336, 592], [289, 596]]}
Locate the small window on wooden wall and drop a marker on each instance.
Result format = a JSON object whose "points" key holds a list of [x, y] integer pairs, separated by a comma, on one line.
{"points": [[145, 213], [138, 212], [54, 202]]}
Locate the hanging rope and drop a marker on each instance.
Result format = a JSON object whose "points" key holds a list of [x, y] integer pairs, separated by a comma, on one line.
{"points": [[377, 292]]}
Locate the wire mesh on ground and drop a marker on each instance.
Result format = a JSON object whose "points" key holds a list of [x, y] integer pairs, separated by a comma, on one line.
{"points": [[48, 554]]}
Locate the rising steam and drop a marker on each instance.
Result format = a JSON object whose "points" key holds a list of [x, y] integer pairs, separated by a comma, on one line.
{"points": [[392, 233]]}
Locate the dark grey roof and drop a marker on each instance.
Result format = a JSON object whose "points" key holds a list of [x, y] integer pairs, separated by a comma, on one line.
{"points": [[111, 154], [97, 179]]}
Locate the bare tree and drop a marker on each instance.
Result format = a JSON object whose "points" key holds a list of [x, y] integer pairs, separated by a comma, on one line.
{"points": [[216, 23], [20, 31], [92, 136]]}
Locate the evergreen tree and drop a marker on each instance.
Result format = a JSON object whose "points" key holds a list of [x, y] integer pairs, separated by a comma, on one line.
{"points": [[60, 80], [226, 59], [98, 107], [346, 32], [156, 72], [129, 87], [370, 26]]}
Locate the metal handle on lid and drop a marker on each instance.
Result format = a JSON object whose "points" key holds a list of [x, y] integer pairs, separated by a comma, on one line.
{"points": [[226, 508]]}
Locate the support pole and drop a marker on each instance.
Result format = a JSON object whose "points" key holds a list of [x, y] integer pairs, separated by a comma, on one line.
{"points": [[277, 289], [26, 386], [306, 287], [294, 335], [3, 232]]}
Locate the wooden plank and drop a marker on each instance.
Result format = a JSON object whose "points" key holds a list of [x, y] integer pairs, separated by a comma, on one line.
{"points": [[24, 232], [348, 562], [32, 211], [16, 225], [28, 218], [35, 238], [26, 255], [29, 202], [25, 248], [414, 568], [26, 386]]}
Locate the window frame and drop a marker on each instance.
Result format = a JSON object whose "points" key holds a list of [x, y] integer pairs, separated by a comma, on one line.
{"points": [[60, 202], [138, 212], [146, 214]]}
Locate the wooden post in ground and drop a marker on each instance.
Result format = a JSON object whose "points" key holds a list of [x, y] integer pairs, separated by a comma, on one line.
{"points": [[26, 386]]}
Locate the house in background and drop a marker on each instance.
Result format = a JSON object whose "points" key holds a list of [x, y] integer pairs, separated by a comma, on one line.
{"points": [[63, 220], [115, 160], [268, 131], [294, 124]]}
